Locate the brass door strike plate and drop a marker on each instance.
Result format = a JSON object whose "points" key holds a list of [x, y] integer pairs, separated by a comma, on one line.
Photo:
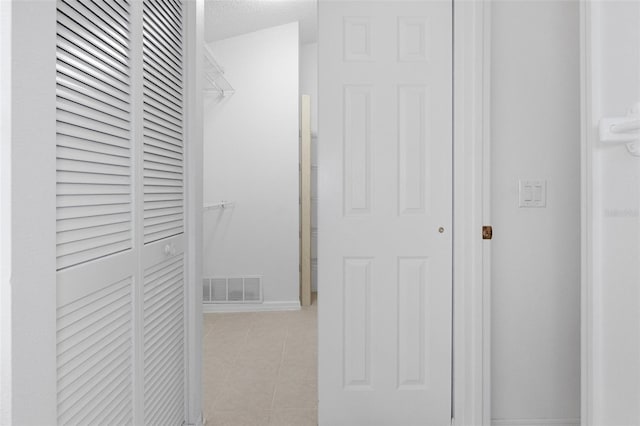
{"points": [[487, 232]]}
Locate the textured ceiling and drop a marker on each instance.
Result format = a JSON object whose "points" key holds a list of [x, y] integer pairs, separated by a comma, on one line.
{"points": [[228, 18]]}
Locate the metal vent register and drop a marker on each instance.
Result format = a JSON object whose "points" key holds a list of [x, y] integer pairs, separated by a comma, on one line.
{"points": [[246, 289]]}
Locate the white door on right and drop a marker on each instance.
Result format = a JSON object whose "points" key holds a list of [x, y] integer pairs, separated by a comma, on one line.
{"points": [[385, 212]]}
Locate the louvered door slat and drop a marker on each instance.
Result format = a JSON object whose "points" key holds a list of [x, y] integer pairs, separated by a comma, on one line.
{"points": [[92, 167], [157, 138], [90, 135], [160, 235], [175, 6], [92, 200], [103, 354], [162, 100], [71, 96], [156, 172], [91, 178], [157, 130], [170, 51], [106, 62], [171, 90], [154, 73], [164, 218], [161, 163], [75, 189], [116, 26], [151, 107], [94, 131], [162, 56], [163, 341], [83, 89], [157, 108], [95, 356], [83, 244], [83, 122], [83, 28], [161, 32], [94, 232], [162, 201], [163, 120], [156, 272], [163, 13], [92, 222], [160, 143], [73, 79], [92, 70], [162, 211], [97, 252], [121, 7], [104, 10], [158, 92], [68, 153], [158, 146]]}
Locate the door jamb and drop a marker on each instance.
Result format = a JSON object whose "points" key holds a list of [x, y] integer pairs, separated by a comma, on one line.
{"points": [[28, 213], [589, 398], [194, 42], [471, 255]]}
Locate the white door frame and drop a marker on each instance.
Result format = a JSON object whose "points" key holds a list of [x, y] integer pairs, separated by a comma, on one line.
{"points": [[590, 312], [29, 276], [194, 50], [28, 340], [471, 255]]}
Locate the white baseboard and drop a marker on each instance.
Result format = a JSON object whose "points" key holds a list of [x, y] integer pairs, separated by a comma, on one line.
{"points": [[209, 308], [535, 422]]}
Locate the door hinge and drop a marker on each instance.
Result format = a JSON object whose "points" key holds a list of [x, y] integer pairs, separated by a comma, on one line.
{"points": [[487, 232]]}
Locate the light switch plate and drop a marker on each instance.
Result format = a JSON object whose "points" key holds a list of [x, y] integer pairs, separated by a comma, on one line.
{"points": [[532, 193]]}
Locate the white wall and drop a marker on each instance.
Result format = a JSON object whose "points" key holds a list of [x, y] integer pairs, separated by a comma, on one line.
{"points": [[28, 279], [615, 86], [536, 251], [309, 86], [251, 159], [5, 222], [309, 79]]}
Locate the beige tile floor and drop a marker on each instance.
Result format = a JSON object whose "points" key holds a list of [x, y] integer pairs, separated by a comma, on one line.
{"points": [[260, 369]]}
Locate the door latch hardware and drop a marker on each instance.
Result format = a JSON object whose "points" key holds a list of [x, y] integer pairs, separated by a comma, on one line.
{"points": [[487, 232]]}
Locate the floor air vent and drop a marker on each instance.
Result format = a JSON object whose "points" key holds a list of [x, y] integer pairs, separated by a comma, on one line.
{"points": [[232, 289]]}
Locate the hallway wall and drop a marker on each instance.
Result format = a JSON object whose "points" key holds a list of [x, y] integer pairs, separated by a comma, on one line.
{"points": [[251, 160], [535, 134]]}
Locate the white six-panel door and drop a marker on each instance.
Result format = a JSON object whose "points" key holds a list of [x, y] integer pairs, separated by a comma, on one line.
{"points": [[120, 212], [385, 213]]}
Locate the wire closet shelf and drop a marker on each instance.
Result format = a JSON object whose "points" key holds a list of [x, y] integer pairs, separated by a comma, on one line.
{"points": [[215, 82]]}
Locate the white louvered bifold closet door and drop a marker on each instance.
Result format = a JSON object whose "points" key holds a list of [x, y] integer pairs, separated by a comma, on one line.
{"points": [[164, 311], [120, 204]]}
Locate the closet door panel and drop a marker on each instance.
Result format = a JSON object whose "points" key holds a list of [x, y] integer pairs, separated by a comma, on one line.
{"points": [[163, 213], [94, 215], [94, 134]]}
